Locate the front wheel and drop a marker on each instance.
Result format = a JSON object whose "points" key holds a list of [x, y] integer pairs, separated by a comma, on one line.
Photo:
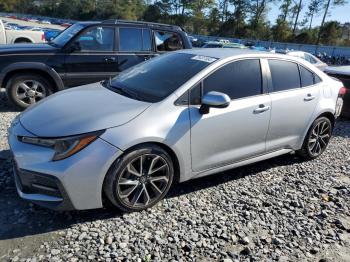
{"points": [[24, 90], [139, 179], [317, 138]]}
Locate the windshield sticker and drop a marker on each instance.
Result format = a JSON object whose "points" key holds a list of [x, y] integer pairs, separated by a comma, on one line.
{"points": [[203, 58]]}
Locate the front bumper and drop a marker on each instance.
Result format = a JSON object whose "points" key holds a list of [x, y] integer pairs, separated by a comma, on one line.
{"points": [[72, 183]]}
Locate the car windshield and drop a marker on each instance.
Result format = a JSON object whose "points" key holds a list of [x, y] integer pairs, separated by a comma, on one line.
{"points": [[67, 34], [154, 80]]}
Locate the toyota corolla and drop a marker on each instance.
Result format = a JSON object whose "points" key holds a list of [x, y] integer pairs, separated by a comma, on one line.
{"points": [[179, 116]]}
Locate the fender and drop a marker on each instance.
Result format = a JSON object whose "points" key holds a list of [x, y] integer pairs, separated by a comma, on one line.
{"points": [[30, 66]]}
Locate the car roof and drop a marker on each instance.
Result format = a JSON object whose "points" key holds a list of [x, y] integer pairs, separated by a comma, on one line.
{"points": [[133, 23], [221, 53]]}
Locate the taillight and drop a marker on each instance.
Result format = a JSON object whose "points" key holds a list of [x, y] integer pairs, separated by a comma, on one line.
{"points": [[342, 92], [43, 37]]}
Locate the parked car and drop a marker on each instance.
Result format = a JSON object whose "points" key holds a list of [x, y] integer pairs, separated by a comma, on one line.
{"points": [[343, 74], [308, 57], [10, 35], [171, 119], [84, 53], [222, 44]]}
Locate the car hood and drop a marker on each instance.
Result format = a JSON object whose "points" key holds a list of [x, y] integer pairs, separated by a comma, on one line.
{"points": [[80, 110], [23, 48]]}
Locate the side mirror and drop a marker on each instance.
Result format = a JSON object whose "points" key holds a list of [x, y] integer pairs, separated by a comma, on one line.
{"points": [[214, 99]]}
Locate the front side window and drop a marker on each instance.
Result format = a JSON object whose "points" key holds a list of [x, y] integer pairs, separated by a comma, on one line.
{"points": [[134, 39], [67, 35], [157, 78], [167, 41], [238, 79], [284, 74], [100, 39]]}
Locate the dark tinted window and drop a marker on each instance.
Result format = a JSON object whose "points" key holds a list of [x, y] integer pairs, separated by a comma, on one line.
{"points": [[285, 75], [195, 95], [147, 42], [97, 39], [317, 79], [167, 41], [238, 79], [306, 76], [130, 39], [157, 78]]}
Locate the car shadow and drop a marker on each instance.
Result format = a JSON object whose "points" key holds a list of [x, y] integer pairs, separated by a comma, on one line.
{"points": [[19, 218], [5, 105]]}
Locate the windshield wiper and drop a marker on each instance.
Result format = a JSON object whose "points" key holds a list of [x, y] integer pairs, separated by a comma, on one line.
{"points": [[123, 91]]}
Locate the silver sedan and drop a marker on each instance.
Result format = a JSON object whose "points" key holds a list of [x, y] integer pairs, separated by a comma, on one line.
{"points": [[179, 116]]}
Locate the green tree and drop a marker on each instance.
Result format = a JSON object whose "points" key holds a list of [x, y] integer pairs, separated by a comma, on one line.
{"points": [[330, 33], [327, 5], [281, 31]]}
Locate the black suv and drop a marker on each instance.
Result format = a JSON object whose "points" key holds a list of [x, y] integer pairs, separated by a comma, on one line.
{"points": [[84, 53]]}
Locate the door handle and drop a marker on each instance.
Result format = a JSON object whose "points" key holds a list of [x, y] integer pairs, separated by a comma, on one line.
{"points": [[309, 97], [110, 59], [261, 108]]}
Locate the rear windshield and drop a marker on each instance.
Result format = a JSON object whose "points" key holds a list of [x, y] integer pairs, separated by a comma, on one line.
{"points": [[154, 80]]}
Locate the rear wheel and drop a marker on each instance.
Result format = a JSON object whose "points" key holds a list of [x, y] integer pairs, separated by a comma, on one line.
{"points": [[24, 90], [139, 179], [317, 138]]}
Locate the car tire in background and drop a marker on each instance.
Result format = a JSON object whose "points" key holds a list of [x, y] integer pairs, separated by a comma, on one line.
{"points": [[140, 178], [24, 90], [317, 138]]}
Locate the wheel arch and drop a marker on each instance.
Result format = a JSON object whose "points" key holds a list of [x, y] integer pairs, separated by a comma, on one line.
{"points": [[36, 68], [165, 147], [327, 113], [174, 158], [22, 39]]}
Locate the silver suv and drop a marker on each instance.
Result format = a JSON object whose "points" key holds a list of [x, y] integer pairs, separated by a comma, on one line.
{"points": [[176, 117]]}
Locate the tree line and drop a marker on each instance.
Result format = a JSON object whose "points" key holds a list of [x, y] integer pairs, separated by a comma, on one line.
{"points": [[229, 18]]}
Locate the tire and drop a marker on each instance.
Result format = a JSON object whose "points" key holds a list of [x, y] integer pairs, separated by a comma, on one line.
{"points": [[129, 191], [320, 132], [24, 90]]}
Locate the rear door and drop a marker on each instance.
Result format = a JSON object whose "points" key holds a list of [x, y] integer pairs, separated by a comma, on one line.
{"points": [[93, 58], [294, 92], [134, 46]]}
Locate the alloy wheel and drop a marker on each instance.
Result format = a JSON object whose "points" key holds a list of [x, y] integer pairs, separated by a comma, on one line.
{"points": [[143, 181], [30, 92], [319, 138]]}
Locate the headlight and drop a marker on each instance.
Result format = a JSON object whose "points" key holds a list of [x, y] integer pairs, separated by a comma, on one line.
{"points": [[64, 147]]}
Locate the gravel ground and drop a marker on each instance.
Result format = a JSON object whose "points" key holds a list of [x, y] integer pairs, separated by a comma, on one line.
{"points": [[277, 210]]}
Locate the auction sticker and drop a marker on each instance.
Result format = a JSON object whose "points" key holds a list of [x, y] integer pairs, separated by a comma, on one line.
{"points": [[203, 58]]}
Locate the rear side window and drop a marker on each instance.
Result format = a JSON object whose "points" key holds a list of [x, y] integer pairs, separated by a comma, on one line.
{"points": [[167, 41], [238, 79], [284, 74], [306, 77], [134, 39]]}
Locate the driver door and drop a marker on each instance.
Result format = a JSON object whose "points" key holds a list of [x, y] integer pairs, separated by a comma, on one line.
{"points": [[237, 132], [92, 57]]}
